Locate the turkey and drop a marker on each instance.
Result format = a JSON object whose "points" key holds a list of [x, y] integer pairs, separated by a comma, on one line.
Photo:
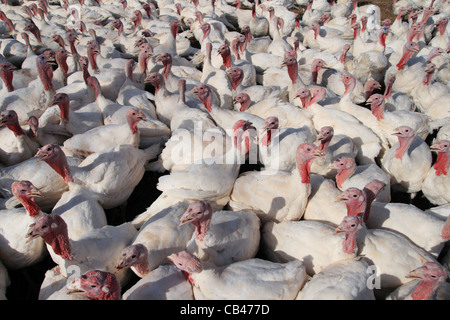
{"points": [[409, 154], [370, 242], [109, 176], [334, 147], [15, 251], [34, 99], [98, 249], [314, 242], [389, 120], [17, 145], [276, 195], [276, 143], [366, 141], [257, 278], [349, 174], [342, 280], [96, 285], [101, 138], [429, 283], [149, 249], [216, 231], [163, 283], [436, 183]]}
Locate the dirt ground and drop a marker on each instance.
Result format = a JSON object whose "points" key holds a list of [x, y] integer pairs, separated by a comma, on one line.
{"points": [[385, 8]]}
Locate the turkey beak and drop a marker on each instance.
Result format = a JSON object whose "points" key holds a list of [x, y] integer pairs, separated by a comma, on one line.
{"points": [[40, 155], [415, 274], [171, 258], [332, 166], [186, 218], [31, 234], [435, 147], [121, 264], [339, 229], [341, 197], [75, 287], [320, 137], [35, 192], [318, 153], [396, 132]]}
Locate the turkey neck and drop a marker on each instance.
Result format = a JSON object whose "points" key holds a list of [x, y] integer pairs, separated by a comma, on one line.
{"points": [[304, 168], [167, 67], [343, 55], [388, 91], [142, 265], [425, 290], [62, 64], [30, 206], [61, 166], [16, 129], [343, 175], [356, 209], [58, 239], [324, 143], [349, 244], [7, 77], [292, 70], [428, 76], [442, 163], [92, 57], [407, 54], [226, 58], [266, 138], [378, 110], [404, 144], [64, 108], [202, 226], [46, 75]]}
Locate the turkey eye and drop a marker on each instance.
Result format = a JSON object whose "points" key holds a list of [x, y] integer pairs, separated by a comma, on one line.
{"points": [[406, 130], [44, 227], [133, 256], [49, 149], [354, 196], [353, 225], [93, 286], [309, 149]]}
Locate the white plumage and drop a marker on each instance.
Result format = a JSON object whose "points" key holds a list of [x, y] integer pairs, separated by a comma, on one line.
{"points": [[257, 279]]}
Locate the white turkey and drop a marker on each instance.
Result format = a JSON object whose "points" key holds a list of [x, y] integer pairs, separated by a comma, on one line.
{"points": [[15, 251], [257, 278], [150, 248], [429, 282], [409, 154], [379, 245], [109, 176], [98, 249], [349, 174], [103, 137], [221, 237], [342, 280], [276, 195], [163, 283], [436, 184]]}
